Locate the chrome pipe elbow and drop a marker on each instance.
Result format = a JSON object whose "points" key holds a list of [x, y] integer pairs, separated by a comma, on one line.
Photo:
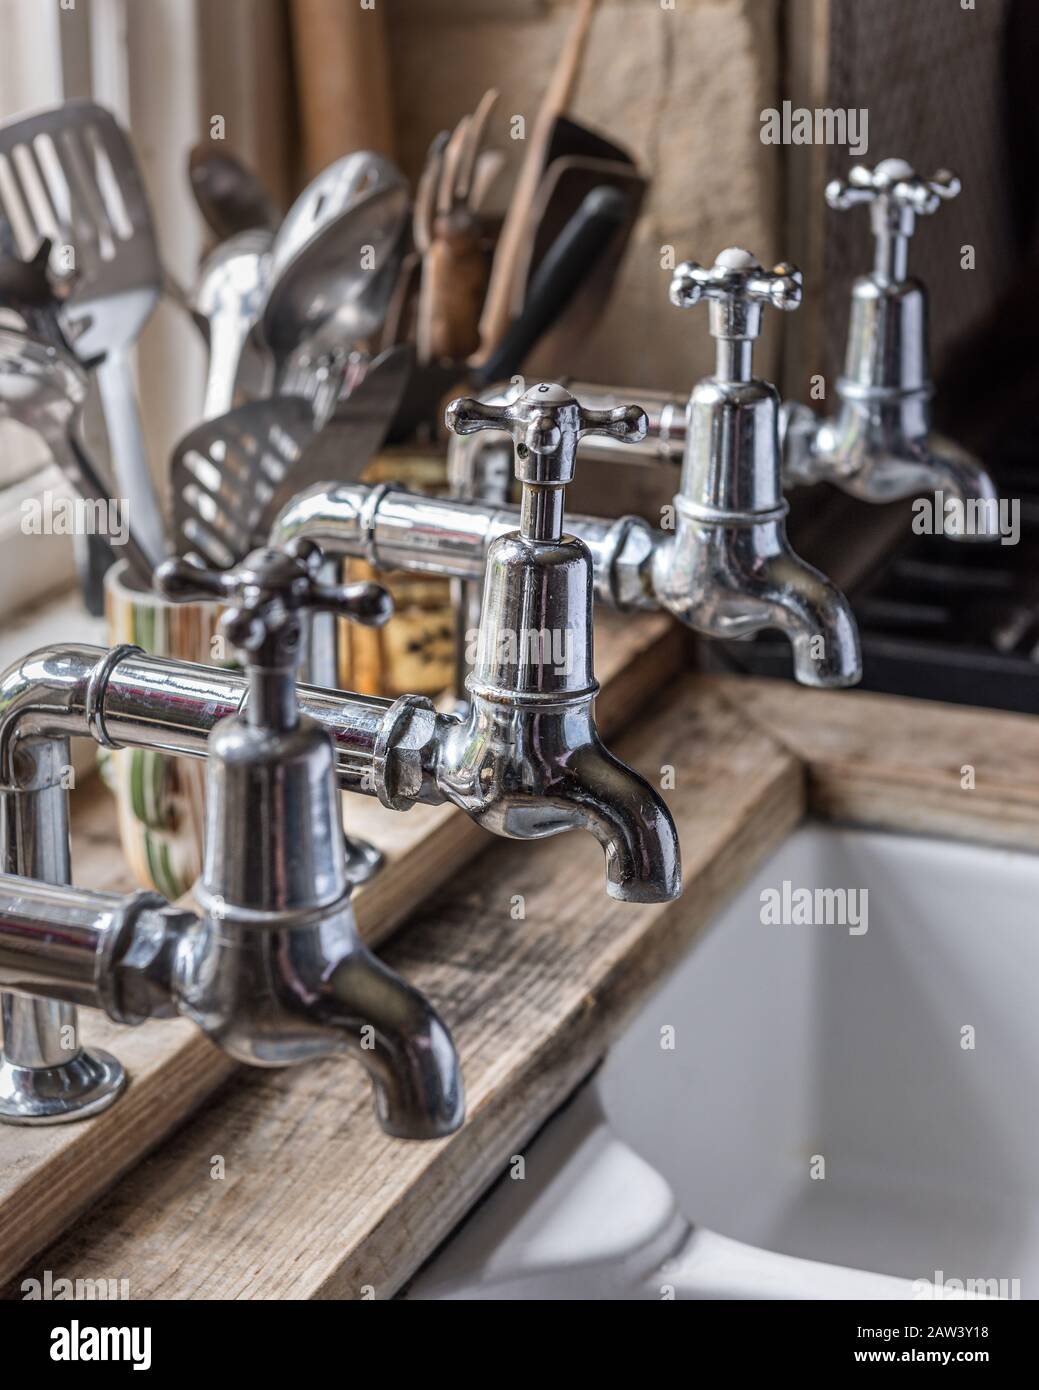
{"points": [[52, 693], [331, 516]]}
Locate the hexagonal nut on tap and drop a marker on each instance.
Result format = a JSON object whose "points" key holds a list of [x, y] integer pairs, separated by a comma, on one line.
{"points": [[140, 981], [405, 751], [627, 581]]}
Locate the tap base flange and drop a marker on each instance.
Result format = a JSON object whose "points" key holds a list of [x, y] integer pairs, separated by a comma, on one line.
{"points": [[75, 1090]]}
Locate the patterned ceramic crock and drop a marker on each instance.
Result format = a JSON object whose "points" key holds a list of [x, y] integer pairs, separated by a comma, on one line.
{"points": [[160, 799]]}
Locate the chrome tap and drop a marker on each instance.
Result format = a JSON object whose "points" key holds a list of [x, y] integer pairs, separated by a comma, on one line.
{"points": [[526, 759], [272, 968], [879, 445], [726, 570], [730, 570]]}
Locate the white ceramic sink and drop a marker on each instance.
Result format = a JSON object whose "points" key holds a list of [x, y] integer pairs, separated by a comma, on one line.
{"points": [[688, 1171]]}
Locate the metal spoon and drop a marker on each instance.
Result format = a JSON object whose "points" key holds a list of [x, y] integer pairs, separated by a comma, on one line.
{"points": [[335, 261], [229, 297], [228, 194], [327, 197]]}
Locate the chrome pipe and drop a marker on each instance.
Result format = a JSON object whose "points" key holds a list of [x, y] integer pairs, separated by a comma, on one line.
{"points": [[124, 698], [36, 957], [394, 529], [35, 841], [46, 1077]]}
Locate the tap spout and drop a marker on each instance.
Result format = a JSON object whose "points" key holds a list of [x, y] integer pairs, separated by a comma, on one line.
{"points": [[883, 450], [957, 477], [799, 600], [731, 580], [630, 821], [527, 774], [276, 990], [401, 1042]]}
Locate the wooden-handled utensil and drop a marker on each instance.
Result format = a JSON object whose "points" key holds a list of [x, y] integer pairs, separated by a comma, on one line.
{"points": [[494, 318], [454, 266]]}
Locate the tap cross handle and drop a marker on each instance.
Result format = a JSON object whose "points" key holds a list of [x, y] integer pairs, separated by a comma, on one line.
{"points": [[546, 423], [896, 196], [266, 595], [736, 288]]}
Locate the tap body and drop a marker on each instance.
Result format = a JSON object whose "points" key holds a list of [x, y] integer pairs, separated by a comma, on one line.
{"points": [[879, 445], [526, 759], [269, 992], [730, 570]]}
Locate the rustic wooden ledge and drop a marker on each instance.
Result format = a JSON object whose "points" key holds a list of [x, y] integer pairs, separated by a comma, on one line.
{"points": [[915, 765], [49, 1175], [316, 1202]]}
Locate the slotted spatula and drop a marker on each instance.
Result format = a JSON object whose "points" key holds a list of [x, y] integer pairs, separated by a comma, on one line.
{"points": [[70, 174], [233, 475], [225, 472]]}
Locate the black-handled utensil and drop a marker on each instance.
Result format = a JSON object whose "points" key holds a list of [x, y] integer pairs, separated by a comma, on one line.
{"points": [[568, 263]]}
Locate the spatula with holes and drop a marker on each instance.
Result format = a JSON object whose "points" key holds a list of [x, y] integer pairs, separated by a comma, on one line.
{"points": [[225, 472], [231, 476], [70, 174]]}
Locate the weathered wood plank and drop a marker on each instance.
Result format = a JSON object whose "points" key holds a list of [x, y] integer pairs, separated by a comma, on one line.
{"points": [[316, 1201], [901, 764]]}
